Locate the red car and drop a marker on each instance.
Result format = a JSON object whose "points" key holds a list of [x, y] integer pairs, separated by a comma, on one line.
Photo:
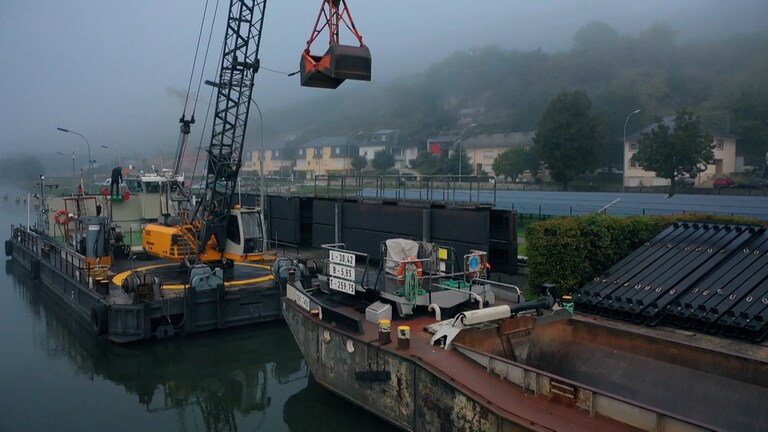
{"points": [[723, 182]]}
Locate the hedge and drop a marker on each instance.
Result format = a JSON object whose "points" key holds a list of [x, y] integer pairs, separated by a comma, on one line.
{"points": [[571, 251]]}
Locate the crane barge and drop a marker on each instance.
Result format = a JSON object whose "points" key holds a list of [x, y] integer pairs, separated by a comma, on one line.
{"points": [[211, 267]]}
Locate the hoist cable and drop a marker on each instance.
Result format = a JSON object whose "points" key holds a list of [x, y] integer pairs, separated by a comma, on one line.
{"points": [[194, 61], [205, 58]]}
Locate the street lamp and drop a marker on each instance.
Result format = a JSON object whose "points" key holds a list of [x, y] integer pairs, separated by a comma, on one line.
{"points": [[460, 153], [90, 161], [74, 179], [119, 160], [624, 163]]}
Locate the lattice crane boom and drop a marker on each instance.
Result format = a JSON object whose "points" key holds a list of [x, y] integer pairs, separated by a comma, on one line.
{"points": [[239, 65]]}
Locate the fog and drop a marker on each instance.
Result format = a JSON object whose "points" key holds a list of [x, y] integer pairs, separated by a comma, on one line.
{"points": [[117, 72]]}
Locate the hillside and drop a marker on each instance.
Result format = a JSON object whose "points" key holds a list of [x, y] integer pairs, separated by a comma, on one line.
{"points": [[725, 81]]}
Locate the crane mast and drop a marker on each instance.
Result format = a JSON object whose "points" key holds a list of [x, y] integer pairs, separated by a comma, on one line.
{"points": [[218, 230], [239, 65]]}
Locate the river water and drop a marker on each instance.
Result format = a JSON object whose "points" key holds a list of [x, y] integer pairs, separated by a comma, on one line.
{"points": [[56, 376]]}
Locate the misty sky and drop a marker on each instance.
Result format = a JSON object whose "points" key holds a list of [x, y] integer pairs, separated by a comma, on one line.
{"points": [[114, 70]]}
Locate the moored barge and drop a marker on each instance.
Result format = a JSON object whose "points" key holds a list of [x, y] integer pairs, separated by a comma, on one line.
{"points": [[85, 262], [506, 364]]}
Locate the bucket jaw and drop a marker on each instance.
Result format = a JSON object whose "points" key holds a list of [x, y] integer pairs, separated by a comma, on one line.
{"points": [[340, 62]]}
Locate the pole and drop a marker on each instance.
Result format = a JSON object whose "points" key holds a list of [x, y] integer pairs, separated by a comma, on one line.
{"points": [[624, 163], [460, 152], [74, 178], [262, 195], [261, 158], [90, 161], [119, 159]]}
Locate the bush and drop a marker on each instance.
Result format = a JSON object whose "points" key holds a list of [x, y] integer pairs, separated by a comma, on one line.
{"points": [[571, 251]]}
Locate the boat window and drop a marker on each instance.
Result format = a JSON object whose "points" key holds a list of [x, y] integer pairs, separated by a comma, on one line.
{"points": [[233, 229], [134, 185], [252, 225], [253, 233], [152, 187]]}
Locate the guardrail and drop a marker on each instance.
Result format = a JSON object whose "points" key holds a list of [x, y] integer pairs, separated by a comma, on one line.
{"points": [[544, 200]]}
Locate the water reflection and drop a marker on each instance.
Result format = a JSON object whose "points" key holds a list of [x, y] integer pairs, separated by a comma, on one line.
{"points": [[248, 379], [315, 402]]}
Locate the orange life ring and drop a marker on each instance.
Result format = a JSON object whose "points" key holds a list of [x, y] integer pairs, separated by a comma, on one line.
{"points": [[409, 261], [61, 217]]}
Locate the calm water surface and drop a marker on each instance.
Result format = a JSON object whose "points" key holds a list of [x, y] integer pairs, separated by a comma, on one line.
{"points": [[56, 376]]}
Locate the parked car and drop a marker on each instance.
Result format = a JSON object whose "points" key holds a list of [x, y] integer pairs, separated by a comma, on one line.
{"points": [[752, 184], [723, 182], [685, 182]]}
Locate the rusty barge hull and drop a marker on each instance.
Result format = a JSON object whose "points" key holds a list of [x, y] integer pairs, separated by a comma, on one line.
{"points": [[419, 389], [572, 374]]}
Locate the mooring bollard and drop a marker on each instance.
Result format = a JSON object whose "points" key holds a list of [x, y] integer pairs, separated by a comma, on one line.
{"points": [[403, 337], [568, 303], [385, 336]]}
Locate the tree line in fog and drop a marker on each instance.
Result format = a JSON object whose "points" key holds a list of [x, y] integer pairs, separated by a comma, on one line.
{"points": [[20, 169]]}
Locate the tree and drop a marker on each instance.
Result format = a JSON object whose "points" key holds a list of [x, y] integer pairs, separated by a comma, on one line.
{"points": [[427, 163], [359, 162], [383, 160], [515, 161], [569, 138], [675, 150], [452, 163], [750, 124]]}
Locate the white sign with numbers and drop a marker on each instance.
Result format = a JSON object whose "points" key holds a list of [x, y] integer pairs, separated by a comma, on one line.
{"points": [[301, 300], [342, 258], [342, 285], [340, 271]]}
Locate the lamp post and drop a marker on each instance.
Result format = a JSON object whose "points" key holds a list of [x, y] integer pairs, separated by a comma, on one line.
{"points": [[90, 161], [74, 179], [119, 159], [261, 158], [460, 138], [624, 163]]}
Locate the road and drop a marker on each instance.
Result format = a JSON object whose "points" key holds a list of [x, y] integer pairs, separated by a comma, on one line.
{"points": [[623, 204]]}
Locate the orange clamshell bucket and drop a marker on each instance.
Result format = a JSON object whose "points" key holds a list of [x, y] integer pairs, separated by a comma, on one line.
{"points": [[339, 63]]}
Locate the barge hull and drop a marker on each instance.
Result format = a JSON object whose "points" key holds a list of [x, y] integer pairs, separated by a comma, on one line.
{"points": [[60, 273], [405, 389]]}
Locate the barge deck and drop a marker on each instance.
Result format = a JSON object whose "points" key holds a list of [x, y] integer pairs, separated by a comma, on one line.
{"points": [[129, 302], [539, 369]]}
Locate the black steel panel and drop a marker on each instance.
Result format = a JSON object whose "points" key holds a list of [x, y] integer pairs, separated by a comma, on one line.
{"points": [[686, 303], [502, 247], [324, 212], [730, 279], [284, 231], [668, 254], [322, 234], [701, 260], [283, 208], [470, 226], [709, 277], [618, 276], [283, 223], [396, 220]]}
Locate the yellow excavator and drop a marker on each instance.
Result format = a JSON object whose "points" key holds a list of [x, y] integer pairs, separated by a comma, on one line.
{"points": [[217, 229]]}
